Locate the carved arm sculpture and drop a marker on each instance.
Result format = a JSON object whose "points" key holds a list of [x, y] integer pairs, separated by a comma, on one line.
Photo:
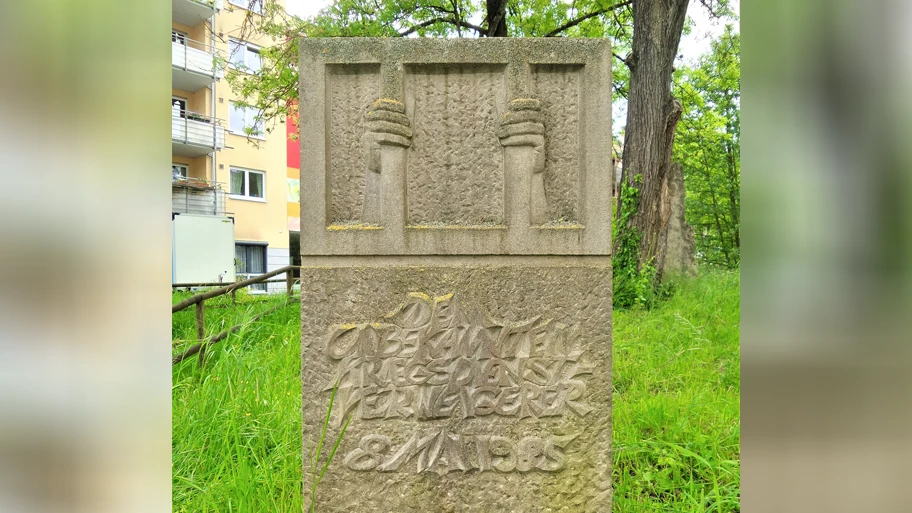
{"points": [[386, 124], [522, 125]]}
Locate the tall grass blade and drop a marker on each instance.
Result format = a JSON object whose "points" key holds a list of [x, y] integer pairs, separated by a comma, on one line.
{"points": [[335, 447]]}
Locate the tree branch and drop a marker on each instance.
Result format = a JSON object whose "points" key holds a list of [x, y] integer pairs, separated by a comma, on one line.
{"points": [[452, 21], [715, 13], [577, 21], [441, 8], [618, 57]]}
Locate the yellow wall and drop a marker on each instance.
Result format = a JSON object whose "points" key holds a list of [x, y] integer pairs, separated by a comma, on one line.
{"points": [[198, 33], [196, 102], [196, 167], [254, 221]]}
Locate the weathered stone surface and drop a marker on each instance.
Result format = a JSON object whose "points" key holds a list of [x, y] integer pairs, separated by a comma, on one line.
{"points": [[473, 387], [454, 178], [354, 89], [559, 88], [454, 189], [677, 254], [456, 278]]}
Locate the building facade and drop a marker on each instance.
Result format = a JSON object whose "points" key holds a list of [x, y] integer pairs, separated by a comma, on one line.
{"points": [[228, 174]]}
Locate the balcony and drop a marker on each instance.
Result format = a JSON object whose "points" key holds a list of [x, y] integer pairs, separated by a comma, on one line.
{"points": [[195, 135], [197, 196], [193, 64], [193, 12]]}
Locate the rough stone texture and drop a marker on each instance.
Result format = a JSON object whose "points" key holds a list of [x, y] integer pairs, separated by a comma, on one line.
{"points": [[352, 89], [456, 277], [452, 178], [570, 306], [559, 89], [678, 253], [456, 190]]}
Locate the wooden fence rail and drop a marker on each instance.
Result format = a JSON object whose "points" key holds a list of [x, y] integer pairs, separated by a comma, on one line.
{"points": [[218, 284], [200, 347], [200, 301], [289, 279]]}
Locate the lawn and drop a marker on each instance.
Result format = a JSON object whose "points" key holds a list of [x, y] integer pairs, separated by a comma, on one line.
{"points": [[236, 424]]}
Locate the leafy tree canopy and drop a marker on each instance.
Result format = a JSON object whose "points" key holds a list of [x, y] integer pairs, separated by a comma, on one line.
{"points": [[708, 145]]}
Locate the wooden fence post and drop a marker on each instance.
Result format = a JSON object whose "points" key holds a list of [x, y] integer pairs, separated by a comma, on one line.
{"points": [[201, 328], [289, 282]]}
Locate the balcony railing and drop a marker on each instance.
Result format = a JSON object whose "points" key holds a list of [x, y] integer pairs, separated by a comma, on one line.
{"points": [[196, 129], [196, 196], [195, 56]]}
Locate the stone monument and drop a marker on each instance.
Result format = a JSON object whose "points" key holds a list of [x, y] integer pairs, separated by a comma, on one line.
{"points": [[456, 279]]}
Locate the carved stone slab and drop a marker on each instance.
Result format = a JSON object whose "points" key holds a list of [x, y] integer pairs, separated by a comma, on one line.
{"points": [[456, 278], [428, 146], [471, 388]]}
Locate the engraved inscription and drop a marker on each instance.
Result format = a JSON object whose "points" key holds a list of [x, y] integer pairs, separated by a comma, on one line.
{"points": [[442, 452], [430, 359]]}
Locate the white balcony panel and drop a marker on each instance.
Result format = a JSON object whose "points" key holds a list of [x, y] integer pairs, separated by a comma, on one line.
{"points": [[187, 199], [192, 138], [192, 69]]}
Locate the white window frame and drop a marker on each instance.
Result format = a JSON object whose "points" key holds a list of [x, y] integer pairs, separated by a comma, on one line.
{"points": [[249, 122], [182, 37], [255, 6], [183, 112], [235, 46], [185, 167], [246, 196]]}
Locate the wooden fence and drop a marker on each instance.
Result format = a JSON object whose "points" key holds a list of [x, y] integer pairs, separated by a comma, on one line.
{"points": [[200, 301]]}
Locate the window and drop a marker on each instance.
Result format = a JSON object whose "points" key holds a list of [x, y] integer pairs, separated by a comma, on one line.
{"points": [[244, 55], [247, 184], [250, 260], [178, 37], [241, 118], [178, 107], [178, 172], [251, 5]]}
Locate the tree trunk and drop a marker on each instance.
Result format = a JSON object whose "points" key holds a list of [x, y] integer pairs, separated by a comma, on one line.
{"points": [[497, 18], [652, 115]]}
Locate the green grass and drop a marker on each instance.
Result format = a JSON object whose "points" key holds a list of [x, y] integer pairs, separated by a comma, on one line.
{"points": [[677, 389], [236, 424], [236, 428]]}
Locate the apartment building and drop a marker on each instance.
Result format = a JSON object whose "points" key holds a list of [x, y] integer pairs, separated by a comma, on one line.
{"points": [[229, 214]]}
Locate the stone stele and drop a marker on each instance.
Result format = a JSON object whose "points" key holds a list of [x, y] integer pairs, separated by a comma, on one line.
{"points": [[456, 278]]}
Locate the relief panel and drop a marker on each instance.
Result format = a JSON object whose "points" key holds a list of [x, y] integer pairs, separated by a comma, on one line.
{"points": [[558, 89], [455, 165], [350, 90]]}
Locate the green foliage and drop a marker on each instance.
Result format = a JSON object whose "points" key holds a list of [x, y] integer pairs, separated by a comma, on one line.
{"points": [[270, 89], [676, 435], [708, 145], [273, 90], [236, 424], [315, 455], [635, 284]]}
